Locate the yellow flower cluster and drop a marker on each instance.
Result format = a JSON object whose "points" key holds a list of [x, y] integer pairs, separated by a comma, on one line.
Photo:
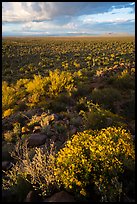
{"points": [[94, 156], [60, 81]]}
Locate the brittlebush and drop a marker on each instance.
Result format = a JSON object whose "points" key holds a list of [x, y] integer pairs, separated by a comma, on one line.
{"points": [[8, 97], [60, 81], [95, 157]]}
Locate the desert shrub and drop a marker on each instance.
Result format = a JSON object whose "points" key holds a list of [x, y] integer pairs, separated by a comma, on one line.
{"points": [[60, 81], [13, 135], [13, 97], [60, 103], [7, 113], [51, 86], [17, 129], [91, 160], [8, 136], [83, 89], [128, 109], [8, 96], [125, 80], [106, 97], [21, 94], [96, 117], [81, 104], [36, 85], [96, 158], [36, 89], [20, 84], [37, 170]]}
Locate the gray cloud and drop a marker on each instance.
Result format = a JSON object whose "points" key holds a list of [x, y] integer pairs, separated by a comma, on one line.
{"points": [[40, 11], [66, 17]]}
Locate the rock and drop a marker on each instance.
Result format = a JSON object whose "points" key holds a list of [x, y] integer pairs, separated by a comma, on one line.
{"points": [[36, 139], [32, 197], [6, 165], [6, 149], [60, 197]]}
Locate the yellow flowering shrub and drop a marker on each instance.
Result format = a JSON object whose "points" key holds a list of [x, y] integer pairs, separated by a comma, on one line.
{"points": [[60, 81], [95, 158], [36, 89], [93, 161], [125, 80], [7, 112], [8, 96], [35, 85]]}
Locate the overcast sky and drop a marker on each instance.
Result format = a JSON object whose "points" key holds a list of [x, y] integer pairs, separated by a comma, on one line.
{"points": [[67, 18]]}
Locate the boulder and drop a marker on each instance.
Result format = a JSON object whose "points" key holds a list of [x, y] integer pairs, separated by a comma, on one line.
{"points": [[6, 165], [60, 197], [6, 149], [32, 197], [36, 139]]}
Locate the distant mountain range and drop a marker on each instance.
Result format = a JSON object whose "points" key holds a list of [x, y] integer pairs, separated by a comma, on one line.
{"points": [[69, 35]]}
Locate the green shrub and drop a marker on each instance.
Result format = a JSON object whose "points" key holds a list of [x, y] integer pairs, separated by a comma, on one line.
{"points": [[96, 158], [60, 103], [128, 109], [96, 117], [106, 97], [125, 81]]}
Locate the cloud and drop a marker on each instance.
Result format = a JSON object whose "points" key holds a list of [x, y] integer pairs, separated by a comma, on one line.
{"points": [[65, 17], [114, 16], [40, 11], [49, 27]]}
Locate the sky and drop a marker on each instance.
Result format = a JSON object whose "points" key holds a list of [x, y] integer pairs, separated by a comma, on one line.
{"points": [[68, 18]]}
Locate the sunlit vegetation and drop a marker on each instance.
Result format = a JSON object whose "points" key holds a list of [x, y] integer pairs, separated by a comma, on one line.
{"points": [[80, 94], [94, 159]]}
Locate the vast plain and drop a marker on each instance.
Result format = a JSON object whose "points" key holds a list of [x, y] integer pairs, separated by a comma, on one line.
{"points": [[68, 117]]}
